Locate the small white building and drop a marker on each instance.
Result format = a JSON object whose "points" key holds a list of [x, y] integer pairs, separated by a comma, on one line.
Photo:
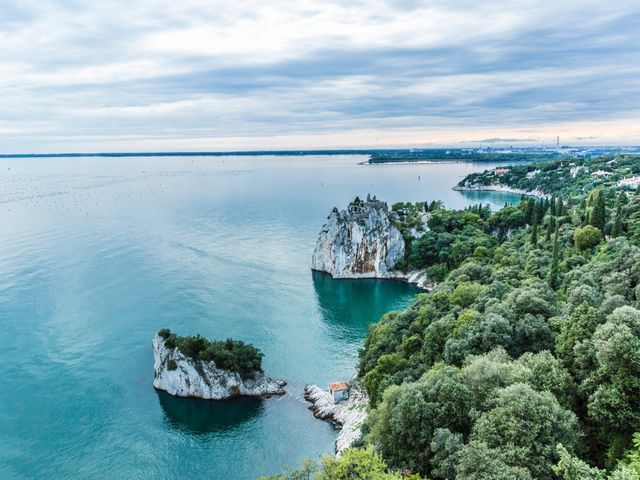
{"points": [[575, 170], [338, 391]]}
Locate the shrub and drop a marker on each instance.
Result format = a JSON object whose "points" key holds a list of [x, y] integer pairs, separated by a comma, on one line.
{"points": [[164, 333], [466, 293], [233, 355], [587, 237], [171, 364]]}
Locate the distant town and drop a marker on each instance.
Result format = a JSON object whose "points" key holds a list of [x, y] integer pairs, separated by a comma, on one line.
{"points": [[483, 153]]}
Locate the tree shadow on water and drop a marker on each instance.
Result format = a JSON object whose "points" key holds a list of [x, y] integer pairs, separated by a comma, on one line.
{"points": [[197, 416]]}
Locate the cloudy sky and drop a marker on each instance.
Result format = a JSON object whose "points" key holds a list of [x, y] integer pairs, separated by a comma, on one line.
{"points": [[148, 75]]}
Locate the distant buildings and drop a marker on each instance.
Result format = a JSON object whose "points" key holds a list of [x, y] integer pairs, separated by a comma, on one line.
{"points": [[600, 173], [500, 171], [631, 182], [575, 170]]}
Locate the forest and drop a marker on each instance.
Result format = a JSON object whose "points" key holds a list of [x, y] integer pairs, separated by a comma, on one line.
{"points": [[523, 362], [566, 176], [234, 355]]}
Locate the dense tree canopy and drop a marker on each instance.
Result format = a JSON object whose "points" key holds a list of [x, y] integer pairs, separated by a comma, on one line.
{"points": [[524, 361], [233, 355]]}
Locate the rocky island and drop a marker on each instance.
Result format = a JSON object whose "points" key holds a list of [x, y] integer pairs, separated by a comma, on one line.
{"points": [[359, 242], [363, 241], [214, 370]]}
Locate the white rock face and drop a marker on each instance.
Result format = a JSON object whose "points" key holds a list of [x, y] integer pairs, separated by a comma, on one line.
{"points": [[200, 379], [348, 414], [418, 277], [359, 242]]}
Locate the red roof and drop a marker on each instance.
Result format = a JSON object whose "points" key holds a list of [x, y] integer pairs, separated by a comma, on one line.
{"points": [[338, 386]]}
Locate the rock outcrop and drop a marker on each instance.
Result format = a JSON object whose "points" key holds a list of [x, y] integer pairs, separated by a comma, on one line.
{"points": [[182, 376], [417, 277], [348, 414], [359, 242]]}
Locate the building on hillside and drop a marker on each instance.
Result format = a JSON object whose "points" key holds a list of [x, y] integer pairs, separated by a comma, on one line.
{"points": [[631, 182], [500, 171], [575, 170], [600, 173], [338, 391]]}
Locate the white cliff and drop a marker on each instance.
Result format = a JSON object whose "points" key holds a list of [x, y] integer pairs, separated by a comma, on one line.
{"points": [[348, 414], [359, 242], [201, 379]]}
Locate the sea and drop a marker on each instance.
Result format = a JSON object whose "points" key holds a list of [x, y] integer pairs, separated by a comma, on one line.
{"points": [[97, 254]]}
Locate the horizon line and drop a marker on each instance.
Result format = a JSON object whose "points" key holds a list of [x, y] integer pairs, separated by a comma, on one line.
{"points": [[293, 152]]}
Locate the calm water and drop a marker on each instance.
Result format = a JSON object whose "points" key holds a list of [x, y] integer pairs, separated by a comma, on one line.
{"points": [[98, 254]]}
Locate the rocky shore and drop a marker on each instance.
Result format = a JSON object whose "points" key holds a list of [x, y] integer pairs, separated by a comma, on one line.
{"points": [[185, 377], [499, 188], [348, 415], [419, 278]]}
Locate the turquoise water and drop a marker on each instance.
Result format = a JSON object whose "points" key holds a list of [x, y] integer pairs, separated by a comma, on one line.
{"points": [[97, 254]]}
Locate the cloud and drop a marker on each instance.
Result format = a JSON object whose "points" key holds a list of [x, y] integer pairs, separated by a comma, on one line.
{"points": [[357, 73]]}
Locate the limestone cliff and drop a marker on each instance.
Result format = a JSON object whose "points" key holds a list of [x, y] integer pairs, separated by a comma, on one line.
{"points": [[182, 376], [359, 242]]}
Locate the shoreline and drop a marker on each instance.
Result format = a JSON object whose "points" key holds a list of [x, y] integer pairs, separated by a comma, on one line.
{"points": [[501, 188], [423, 162], [348, 415], [417, 278]]}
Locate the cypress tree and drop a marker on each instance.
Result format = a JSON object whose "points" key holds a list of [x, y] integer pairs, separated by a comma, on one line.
{"points": [[529, 211], [550, 228], [553, 272], [616, 231], [540, 212], [552, 206], [534, 232], [597, 218], [559, 205]]}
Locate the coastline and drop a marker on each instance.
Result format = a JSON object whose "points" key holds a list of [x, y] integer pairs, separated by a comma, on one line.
{"points": [[415, 277], [500, 188], [409, 162], [348, 415]]}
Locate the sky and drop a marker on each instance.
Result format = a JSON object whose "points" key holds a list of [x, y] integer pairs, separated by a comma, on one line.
{"points": [[177, 75]]}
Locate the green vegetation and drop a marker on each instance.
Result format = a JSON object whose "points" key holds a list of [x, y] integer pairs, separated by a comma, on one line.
{"points": [[532, 344], [354, 464], [461, 154], [233, 355], [567, 176], [587, 237], [524, 362]]}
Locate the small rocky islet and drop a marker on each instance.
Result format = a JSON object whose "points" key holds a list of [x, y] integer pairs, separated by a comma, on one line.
{"points": [[213, 370]]}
